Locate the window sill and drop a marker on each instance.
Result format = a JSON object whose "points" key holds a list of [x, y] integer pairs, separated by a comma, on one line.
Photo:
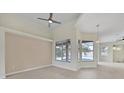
{"points": [[85, 61], [63, 61]]}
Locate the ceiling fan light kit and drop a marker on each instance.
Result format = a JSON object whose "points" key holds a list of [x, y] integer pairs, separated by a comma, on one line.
{"points": [[50, 21]]}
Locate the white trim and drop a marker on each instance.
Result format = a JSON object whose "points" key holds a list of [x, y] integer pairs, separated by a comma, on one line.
{"points": [[87, 66], [2, 54], [63, 67], [24, 34], [29, 69]]}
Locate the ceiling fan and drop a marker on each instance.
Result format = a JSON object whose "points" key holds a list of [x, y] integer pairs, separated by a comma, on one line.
{"points": [[50, 20]]}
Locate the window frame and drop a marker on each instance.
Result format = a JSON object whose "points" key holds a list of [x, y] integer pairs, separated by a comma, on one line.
{"points": [[67, 53], [79, 52]]}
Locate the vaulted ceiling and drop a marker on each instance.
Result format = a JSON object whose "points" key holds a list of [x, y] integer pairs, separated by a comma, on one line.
{"points": [[111, 24]]}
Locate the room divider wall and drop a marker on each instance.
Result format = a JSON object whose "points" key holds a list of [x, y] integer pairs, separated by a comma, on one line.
{"points": [[21, 52]]}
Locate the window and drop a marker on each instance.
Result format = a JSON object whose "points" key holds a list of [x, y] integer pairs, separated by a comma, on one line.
{"points": [[63, 51], [104, 50], [85, 51]]}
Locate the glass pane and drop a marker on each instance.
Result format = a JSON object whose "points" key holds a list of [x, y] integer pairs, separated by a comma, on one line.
{"points": [[87, 51], [64, 53], [58, 52], [69, 52]]}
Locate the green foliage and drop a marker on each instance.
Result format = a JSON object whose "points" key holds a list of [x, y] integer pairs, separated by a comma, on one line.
{"points": [[58, 52], [84, 49]]}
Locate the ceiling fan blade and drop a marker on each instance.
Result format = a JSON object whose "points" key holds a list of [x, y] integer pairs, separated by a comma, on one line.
{"points": [[56, 22], [43, 19], [51, 15]]}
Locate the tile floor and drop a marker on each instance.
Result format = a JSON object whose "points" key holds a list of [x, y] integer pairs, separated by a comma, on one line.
{"points": [[103, 71]]}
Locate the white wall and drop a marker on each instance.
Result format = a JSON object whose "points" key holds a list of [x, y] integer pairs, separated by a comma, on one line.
{"points": [[69, 31], [118, 54], [2, 54], [109, 56], [113, 55], [66, 31]]}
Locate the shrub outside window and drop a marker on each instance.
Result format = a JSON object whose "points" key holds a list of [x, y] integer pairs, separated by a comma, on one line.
{"points": [[86, 51]]}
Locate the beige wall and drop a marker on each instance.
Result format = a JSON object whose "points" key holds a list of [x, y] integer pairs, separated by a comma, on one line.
{"points": [[25, 52]]}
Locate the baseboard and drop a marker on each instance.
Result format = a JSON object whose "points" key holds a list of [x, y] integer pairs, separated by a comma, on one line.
{"points": [[34, 68], [87, 67], [63, 67], [29, 69]]}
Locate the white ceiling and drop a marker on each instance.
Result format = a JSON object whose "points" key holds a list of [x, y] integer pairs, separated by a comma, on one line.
{"points": [[28, 22], [21, 18], [111, 25]]}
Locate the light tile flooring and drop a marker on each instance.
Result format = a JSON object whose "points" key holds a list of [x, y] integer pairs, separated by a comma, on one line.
{"points": [[103, 71]]}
